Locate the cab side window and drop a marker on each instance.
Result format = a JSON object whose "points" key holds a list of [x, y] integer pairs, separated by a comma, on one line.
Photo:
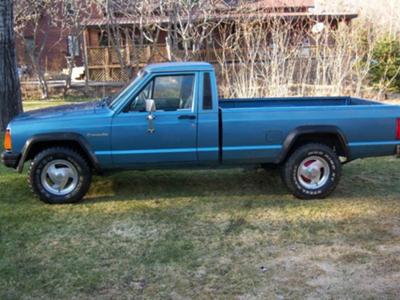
{"points": [[139, 102], [170, 93], [207, 93]]}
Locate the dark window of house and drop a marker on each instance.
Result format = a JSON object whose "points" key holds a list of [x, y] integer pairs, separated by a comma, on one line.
{"points": [[207, 95], [103, 39]]}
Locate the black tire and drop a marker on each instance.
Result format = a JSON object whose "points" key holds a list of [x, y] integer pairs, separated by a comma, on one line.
{"points": [[40, 161], [295, 182]]}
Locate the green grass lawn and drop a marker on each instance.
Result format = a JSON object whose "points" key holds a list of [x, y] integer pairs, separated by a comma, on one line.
{"points": [[230, 234], [54, 101]]}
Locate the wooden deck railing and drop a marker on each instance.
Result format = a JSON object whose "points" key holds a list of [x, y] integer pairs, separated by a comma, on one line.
{"points": [[105, 62], [101, 56]]}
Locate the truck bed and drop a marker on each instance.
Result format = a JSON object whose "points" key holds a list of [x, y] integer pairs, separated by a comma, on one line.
{"points": [[255, 129], [293, 102]]}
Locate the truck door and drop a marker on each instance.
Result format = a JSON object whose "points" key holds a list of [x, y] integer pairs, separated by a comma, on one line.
{"points": [[171, 137]]}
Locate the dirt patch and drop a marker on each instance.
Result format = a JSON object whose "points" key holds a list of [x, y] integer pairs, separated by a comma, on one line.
{"points": [[131, 229], [340, 272]]}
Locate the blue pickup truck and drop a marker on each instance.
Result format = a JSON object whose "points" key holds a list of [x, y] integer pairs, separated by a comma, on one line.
{"points": [[170, 116]]}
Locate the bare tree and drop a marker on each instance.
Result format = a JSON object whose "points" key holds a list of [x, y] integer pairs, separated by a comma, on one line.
{"points": [[143, 36], [131, 33], [34, 18], [376, 20], [188, 26], [10, 95], [257, 54], [268, 53], [259, 51], [140, 32], [73, 15], [383, 14]]}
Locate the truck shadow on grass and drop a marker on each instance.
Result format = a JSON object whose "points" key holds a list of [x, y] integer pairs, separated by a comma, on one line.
{"points": [[376, 178], [146, 185]]}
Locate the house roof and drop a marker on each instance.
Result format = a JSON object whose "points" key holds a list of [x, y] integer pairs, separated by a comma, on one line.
{"points": [[287, 15], [279, 3], [230, 9]]}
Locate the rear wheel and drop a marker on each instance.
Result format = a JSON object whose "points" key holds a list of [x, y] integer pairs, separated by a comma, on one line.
{"points": [[59, 175], [312, 171]]}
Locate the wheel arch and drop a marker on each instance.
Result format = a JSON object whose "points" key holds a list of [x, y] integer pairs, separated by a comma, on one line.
{"points": [[39, 142], [324, 134]]}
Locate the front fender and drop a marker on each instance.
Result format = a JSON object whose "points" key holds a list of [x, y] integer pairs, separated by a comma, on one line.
{"points": [[58, 137]]}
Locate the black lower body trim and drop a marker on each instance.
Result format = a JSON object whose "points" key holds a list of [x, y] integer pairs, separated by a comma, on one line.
{"points": [[9, 159]]}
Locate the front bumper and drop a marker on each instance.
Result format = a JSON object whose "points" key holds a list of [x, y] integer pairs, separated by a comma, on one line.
{"points": [[10, 160]]}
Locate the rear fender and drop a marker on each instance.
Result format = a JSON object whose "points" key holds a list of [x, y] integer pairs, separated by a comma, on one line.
{"points": [[291, 139]]}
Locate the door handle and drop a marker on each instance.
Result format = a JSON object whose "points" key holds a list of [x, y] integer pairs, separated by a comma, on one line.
{"points": [[150, 126], [187, 117]]}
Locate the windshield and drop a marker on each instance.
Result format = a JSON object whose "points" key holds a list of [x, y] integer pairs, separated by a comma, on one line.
{"points": [[126, 89]]}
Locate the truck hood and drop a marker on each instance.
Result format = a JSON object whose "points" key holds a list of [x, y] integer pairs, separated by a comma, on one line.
{"points": [[63, 111]]}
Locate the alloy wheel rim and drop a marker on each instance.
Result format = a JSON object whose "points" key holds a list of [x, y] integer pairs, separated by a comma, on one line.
{"points": [[313, 172], [59, 177]]}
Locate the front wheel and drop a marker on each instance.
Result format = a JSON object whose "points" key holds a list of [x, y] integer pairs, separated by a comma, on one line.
{"points": [[59, 175], [312, 171]]}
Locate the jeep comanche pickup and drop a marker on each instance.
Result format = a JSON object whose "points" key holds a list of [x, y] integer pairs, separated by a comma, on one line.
{"points": [[170, 116]]}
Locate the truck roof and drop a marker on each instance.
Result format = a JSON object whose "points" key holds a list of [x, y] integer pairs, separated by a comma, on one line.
{"points": [[179, 66]]}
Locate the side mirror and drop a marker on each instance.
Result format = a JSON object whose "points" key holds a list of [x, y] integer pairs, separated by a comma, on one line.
{"points": [[150, 105]]}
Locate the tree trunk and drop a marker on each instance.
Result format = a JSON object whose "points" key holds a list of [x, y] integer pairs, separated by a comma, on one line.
{"points": [[10, 93], [86, 62], [70, 65], [41, 76]]}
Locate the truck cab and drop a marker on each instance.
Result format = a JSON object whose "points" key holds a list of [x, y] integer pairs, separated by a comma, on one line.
{"points": [[182, 128]]}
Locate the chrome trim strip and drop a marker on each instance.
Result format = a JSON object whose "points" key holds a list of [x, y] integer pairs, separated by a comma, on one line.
{"points": [[187, 150], [361, 144]]}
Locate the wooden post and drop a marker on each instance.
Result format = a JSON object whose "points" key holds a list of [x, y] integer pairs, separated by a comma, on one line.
{"points": [[127, 47], [107, 63], [86, 60], [128, 56]]}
